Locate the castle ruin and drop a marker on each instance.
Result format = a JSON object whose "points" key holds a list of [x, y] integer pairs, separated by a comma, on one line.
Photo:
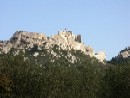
{"points": [[64, 39]]}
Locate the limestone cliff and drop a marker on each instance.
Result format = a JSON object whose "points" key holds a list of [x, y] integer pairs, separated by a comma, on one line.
{"points": [[66, 40], [124, 53]]}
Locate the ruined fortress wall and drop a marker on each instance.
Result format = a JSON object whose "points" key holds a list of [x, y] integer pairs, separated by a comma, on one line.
{"points": [[65, 39], [78, 38], [68, 34]]}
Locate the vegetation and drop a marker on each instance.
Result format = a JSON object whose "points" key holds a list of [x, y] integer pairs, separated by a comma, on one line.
{"points": [[86, 78]]}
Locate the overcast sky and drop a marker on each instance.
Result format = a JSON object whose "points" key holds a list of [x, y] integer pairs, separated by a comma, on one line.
{"points": [[103, 24]]}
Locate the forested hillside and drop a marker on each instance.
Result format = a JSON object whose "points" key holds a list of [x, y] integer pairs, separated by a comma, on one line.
{"points": [[26, 76]]}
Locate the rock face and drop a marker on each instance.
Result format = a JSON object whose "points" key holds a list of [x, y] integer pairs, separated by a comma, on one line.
{"points": [[124, 53], [66, 40], [100, 56], [21, 37]]}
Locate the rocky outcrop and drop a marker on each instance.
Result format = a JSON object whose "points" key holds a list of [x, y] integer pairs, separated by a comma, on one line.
{"points": [[22, 37], [100, 56], [124, 53], [66, 40]]}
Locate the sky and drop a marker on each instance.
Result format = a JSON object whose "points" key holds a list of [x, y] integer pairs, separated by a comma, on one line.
{"points": [[103, 24]]}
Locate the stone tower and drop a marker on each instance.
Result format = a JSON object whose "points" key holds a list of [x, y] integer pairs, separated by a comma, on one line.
{"points": [[78, 38]]}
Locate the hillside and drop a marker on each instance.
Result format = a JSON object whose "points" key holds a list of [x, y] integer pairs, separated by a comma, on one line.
{"points": [[56, 67]]}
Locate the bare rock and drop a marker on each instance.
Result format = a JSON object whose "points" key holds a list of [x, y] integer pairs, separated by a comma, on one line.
{"points": [[65, 39], [124, 53], [101, 56]]}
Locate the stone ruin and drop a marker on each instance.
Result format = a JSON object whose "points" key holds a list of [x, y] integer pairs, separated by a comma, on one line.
{"points": [[64, 39]]}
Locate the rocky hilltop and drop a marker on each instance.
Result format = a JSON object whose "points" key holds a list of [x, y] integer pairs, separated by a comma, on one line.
{"points": [[65, 39], [124, 53]]}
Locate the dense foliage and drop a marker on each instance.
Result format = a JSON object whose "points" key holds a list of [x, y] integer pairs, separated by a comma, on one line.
{"points": [[86, 78]]}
